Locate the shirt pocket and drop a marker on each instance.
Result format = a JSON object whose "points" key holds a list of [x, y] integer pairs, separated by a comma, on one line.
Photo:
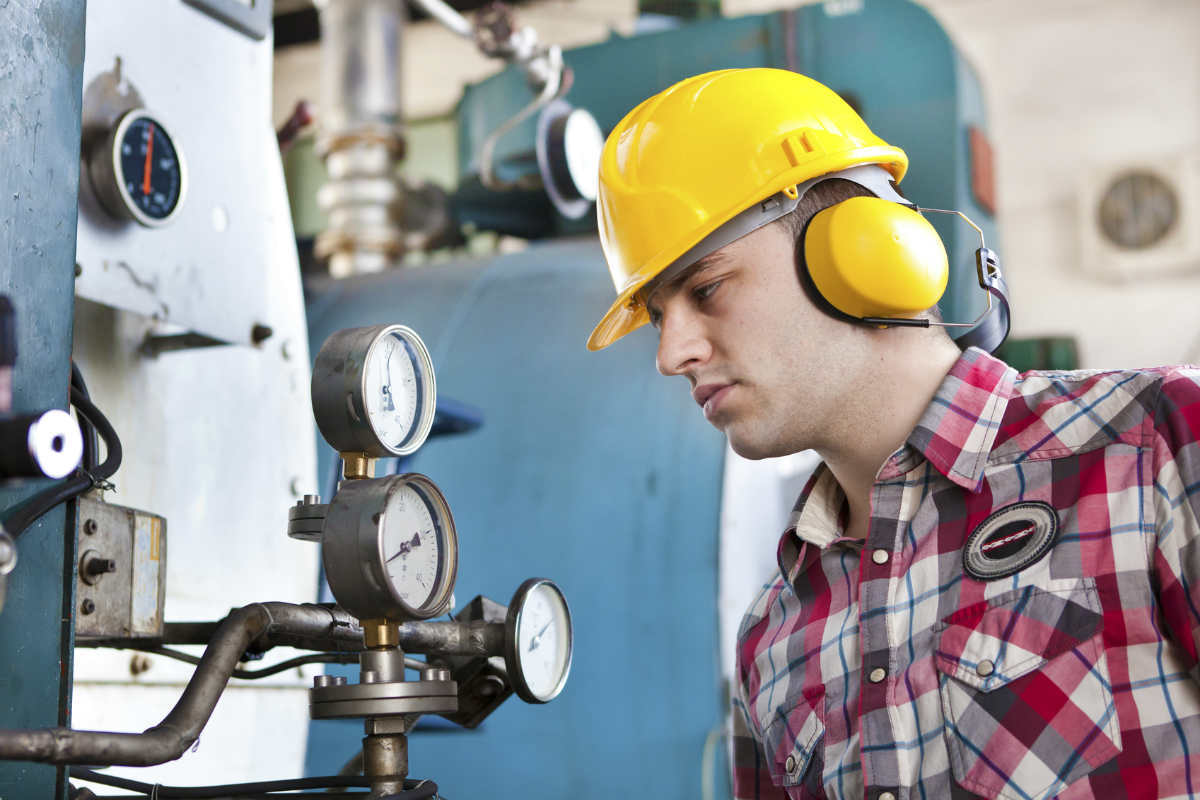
{"points": [[1025, 691], [791, 740]]}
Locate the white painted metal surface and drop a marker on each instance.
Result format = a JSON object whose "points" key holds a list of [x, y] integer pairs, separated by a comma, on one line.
{"points": [[218, 440], [206, 270]]}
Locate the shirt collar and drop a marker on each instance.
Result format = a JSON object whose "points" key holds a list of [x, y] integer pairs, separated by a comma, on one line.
{"points": [[958, 429], [955, 434], [814, 524]]}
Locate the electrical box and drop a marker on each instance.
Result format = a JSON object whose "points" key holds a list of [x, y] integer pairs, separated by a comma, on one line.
{"points": [[122, 570]]}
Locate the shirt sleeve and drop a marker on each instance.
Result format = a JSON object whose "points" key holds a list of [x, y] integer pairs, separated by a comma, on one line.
{"points": [[751, 780], [1177, 507]]}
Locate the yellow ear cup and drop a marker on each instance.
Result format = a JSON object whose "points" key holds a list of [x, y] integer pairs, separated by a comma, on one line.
{"points": [[870, 257]]}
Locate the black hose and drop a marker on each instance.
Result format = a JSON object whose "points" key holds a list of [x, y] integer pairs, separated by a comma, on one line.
{"points": [[252, 674], [43, 501], [413, 790], [112, 442], [80, 481], [91, 443]]}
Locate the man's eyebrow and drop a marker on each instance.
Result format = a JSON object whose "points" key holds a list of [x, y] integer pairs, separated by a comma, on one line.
{"points": [[673, 283]]}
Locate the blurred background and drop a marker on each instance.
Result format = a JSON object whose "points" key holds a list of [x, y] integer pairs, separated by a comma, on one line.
{"points": [[362, 162]]}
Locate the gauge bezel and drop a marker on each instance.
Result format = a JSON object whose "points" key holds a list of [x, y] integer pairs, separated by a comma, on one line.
{"points": [[512, 622], [105, 171], [339, 388], [354, 558]]}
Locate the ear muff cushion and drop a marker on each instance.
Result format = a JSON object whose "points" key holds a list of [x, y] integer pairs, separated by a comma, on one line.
{"points": [[869, 257]]}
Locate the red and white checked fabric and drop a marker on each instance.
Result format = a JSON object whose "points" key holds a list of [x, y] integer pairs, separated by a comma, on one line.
{"points": [[882, 669]]}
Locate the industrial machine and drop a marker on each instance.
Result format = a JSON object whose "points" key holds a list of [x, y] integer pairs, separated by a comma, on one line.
{"points": [[390, 551], [188, 308]]}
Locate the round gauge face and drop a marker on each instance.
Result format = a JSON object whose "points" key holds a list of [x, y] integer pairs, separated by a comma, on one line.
{"points": [[150, 175], [413, 544], [582, 144], [393, 390], [543, 641]]}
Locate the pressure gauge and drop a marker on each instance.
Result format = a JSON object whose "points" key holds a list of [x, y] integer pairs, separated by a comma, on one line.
{"points": [[538, 640], [138, 173], [373, 391], [389, 548]]}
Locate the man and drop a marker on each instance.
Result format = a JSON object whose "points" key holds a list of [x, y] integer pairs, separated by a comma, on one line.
{"points": [[989, 587]]}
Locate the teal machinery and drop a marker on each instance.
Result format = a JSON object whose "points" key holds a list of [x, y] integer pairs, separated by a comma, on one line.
{"points": [[591, 466]]}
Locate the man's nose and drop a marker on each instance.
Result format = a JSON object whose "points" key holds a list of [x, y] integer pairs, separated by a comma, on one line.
{"points": [[682, 342]]}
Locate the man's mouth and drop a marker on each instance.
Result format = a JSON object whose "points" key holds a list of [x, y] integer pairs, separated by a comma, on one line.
{"points": [[710, 395]]}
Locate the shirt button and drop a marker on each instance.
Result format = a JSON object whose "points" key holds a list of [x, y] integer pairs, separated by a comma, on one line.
{"points": [[877, 675], [985, 668], [880, 556], [886, 796], [791, 764]]}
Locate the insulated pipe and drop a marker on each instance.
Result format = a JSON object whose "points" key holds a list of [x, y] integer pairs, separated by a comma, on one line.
{"points": [[453, 638], [172, 737], [425, 638]]}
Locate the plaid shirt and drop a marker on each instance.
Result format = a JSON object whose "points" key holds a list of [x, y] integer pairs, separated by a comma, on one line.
{"points": [[885, 668]]}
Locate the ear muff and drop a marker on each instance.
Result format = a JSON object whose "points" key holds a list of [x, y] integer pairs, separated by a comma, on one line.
{"points": [[871, 258]]}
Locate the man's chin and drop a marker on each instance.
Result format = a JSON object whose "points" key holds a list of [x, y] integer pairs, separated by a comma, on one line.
{"points": [[752, 448]]}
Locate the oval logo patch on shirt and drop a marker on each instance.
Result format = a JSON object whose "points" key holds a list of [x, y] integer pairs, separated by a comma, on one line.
{"points": [[1010, 540]]}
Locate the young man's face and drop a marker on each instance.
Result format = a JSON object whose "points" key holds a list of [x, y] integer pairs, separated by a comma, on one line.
{"points": [[767, 367]]}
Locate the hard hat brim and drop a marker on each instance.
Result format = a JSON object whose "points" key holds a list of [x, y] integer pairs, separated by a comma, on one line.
{"points": [[625, 315]]}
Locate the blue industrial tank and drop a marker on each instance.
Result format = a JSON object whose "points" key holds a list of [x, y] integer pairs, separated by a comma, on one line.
{"points": [[590, 469]]}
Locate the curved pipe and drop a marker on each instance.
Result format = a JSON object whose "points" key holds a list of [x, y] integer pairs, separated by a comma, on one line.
{"points": [[172, 737]]}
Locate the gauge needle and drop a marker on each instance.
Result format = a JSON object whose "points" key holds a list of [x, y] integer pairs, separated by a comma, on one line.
{"points": [[149, 156], [537, 637], [406, 547], [389, 405]]}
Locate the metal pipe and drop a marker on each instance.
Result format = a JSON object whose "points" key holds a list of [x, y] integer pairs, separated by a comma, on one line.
{"points": [[181, 727], [448, 16]]}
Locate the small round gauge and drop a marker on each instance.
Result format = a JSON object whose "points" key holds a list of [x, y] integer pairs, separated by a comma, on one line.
{"points": [[538, 640], [139, 173], [390, 549], [373, 390]]}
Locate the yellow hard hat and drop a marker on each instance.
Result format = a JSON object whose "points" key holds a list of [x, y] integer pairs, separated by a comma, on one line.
{"points": [[692, 157]]}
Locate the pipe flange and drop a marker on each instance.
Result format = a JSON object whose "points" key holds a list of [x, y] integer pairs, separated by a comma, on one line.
{"points": [[383, 699]]}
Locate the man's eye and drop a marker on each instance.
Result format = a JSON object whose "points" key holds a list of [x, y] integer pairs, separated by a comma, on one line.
{"points": [[705, 291], [655, 316]]}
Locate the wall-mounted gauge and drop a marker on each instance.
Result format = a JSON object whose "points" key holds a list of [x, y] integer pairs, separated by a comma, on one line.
{"points": [[373, 391], [1138, 210], [138, 172], [538, 640], [390, 549]]}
